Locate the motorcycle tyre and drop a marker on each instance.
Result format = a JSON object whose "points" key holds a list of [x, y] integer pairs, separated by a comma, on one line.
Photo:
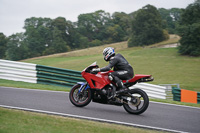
{"points": [[143, 108], [72, 98]]}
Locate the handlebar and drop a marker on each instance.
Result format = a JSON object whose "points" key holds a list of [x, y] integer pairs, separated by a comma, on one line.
{"points": [[89, 69]]}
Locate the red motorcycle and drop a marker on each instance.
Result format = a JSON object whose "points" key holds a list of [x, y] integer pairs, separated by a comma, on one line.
{"points": [[100, 89]]}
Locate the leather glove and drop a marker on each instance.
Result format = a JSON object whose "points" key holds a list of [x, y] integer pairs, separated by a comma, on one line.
{"points": [[95, 70]]}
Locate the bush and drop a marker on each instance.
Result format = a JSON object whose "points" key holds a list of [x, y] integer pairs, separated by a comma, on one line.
{"points": [[190, 38], [95, 43], [189, 30], [147, 27]]}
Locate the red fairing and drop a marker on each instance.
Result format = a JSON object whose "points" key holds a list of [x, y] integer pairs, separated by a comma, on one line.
{"points": [[100, 80], [97, 81]]}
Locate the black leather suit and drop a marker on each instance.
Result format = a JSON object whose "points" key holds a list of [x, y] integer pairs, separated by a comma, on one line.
{"points": [[122, 69]]}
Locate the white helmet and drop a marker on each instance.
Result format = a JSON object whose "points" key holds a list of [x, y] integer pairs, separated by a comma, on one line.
{"points": [[108, 52]]}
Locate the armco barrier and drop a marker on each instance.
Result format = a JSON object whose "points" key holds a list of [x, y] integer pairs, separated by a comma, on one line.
{"points": [[57, 76], [58, 70], [176, 94], [18, 71], [33, 73], [154, 91]]}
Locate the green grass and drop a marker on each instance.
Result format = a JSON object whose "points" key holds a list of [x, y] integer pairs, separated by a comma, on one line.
{"points": [[19, 84], [14, 121], [165, 64]]}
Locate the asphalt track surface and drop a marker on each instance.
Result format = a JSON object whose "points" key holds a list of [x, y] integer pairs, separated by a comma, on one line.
{"points": [[158, 116]]}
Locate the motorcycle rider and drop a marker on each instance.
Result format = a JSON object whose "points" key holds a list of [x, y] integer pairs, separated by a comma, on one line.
{"points": [[122, 69]]}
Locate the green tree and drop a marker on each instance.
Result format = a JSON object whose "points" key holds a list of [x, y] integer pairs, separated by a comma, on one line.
{"points": [[16, 47], [170, 18], [115, 34], [3, 42], [93, 25], [75, 39], [80, 41], [146, 27], [95, 43], [124, 21], [60, 23], [38, 35], [189, 30], [46, 36], [58, 44], [60, 38], [86, 26]]}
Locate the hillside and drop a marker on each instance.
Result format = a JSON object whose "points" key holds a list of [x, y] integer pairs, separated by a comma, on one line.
{"points": [[165, 64]]}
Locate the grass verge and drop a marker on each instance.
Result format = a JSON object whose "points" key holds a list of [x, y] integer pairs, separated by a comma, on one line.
{"points": [[14, 121], [19, 84]]}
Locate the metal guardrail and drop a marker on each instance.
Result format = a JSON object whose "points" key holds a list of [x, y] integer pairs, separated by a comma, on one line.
{"points": [[155, 91], [176, 94], [57, 76], [33, 73], [18, 71]]}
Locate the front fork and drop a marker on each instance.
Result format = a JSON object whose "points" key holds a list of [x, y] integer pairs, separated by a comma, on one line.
{"points": [[84, 86]]}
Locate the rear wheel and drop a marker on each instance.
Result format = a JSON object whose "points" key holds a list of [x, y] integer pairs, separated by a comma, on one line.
{"points": [[80, 99], [137, 102]]}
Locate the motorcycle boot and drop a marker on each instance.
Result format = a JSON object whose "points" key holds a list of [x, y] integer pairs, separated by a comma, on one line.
{"points": [[119, 84], [122, 88]]}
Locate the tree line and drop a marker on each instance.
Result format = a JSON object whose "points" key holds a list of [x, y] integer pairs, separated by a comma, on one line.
{"points": [[44, 36]]}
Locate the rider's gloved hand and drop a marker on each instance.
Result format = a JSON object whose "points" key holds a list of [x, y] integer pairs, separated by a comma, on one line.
{"points": [[95, 70]]}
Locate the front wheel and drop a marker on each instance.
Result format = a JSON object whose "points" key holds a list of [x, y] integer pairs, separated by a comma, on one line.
{"points": [[78, 98], [137, 102]]}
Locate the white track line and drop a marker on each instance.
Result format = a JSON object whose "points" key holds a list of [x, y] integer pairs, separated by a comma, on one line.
{"points": [[93, 119]]}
